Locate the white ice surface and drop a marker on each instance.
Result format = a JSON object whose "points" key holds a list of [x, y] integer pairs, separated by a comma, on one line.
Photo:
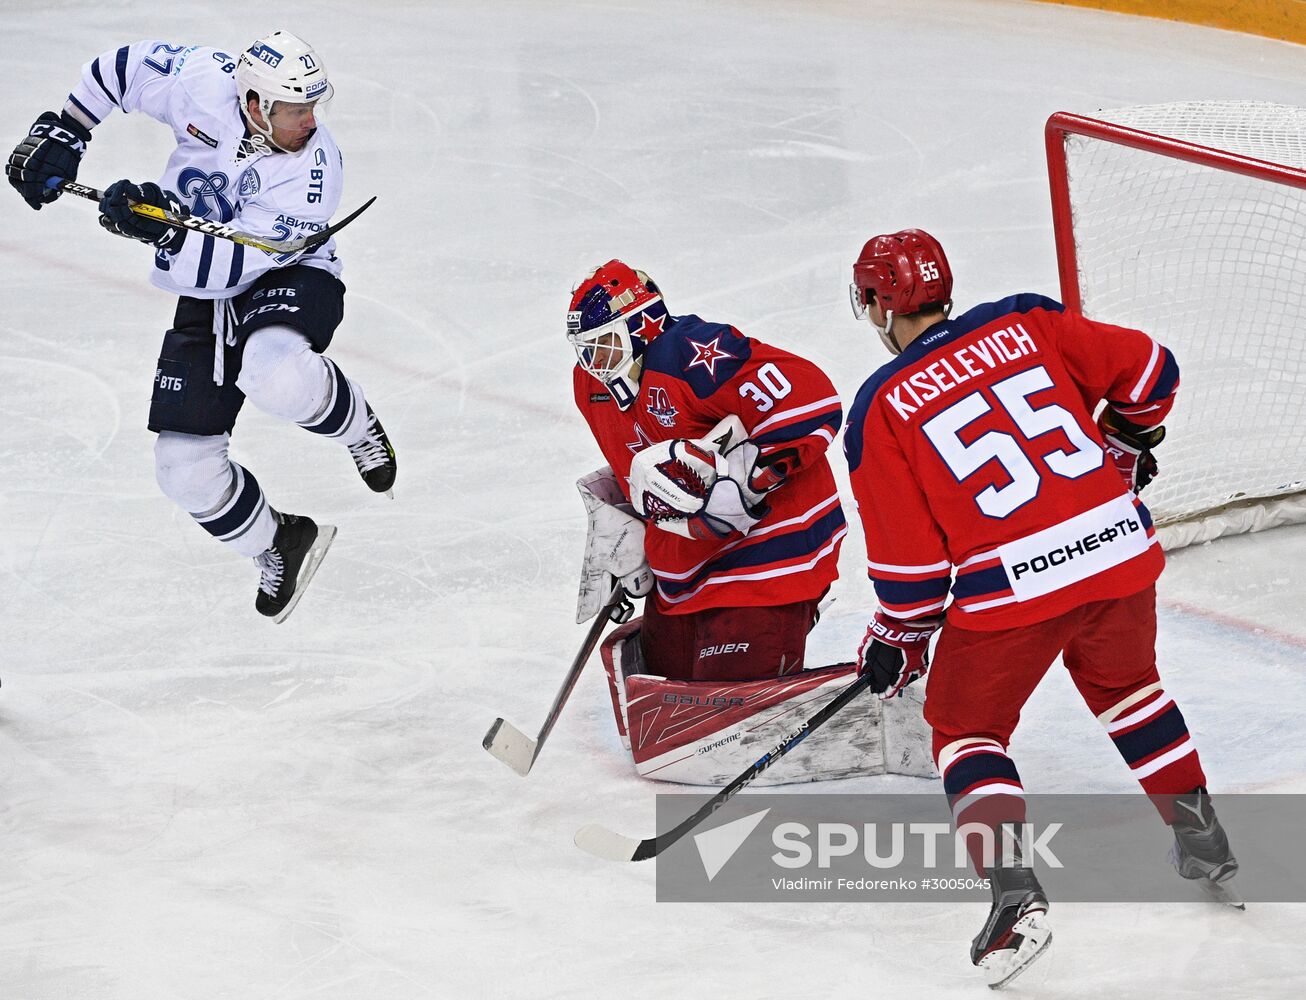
{"points": [[195, 803]]}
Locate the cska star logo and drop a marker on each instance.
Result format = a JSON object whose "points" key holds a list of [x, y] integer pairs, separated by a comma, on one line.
{"points": [[659, 405], [649, 327], [707, 355], [641, 441]]}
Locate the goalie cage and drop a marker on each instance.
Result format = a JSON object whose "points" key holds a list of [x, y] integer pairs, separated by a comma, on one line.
{"points": [[1188, 221]]}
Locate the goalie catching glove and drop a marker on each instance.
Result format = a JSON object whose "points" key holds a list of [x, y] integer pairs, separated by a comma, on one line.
{"points": [[895, 653], [690, 489], [1129, 446], [117, 217]]}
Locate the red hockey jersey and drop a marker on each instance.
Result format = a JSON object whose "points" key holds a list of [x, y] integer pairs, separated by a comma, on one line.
{"points": [[695, 374], [976, 448]]}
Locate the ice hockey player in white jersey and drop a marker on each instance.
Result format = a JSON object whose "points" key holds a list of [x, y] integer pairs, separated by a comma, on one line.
{"points": [[251, 151]]}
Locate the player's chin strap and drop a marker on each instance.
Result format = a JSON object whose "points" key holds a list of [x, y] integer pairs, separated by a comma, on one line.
{"points": [[886, 332]]}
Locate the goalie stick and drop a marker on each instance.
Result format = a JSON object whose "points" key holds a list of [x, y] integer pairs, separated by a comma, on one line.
{"points": [[508, 743], [604, 843], [210, 228]]}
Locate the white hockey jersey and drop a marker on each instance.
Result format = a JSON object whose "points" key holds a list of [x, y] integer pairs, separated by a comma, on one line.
{"points": [[192, 90]]}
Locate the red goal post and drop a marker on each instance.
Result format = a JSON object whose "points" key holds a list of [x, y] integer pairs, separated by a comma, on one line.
{"points": [[1188, 221]]}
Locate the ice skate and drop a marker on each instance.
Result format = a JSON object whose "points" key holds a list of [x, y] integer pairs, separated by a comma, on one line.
{"points": [[375, 457], [1201, 850], [1017, 931], [289, 564]]}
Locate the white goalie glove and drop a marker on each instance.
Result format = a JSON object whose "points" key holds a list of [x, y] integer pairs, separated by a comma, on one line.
{"points": [[614, 546], [699, 488]]}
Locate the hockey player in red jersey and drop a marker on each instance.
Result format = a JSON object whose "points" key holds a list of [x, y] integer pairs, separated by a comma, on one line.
{"points": [[718, 443], [975, 451]]}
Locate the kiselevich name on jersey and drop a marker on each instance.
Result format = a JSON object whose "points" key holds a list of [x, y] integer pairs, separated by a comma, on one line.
{"points": [[1075, 549], [988, 353]]}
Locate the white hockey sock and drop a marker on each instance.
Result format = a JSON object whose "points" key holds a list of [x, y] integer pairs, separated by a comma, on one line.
{"points": [[223, 498]]}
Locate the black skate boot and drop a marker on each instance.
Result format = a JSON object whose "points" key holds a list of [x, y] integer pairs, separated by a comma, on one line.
{"points": [[1017, 931], [375, 457], [1201, 849], [285, 568]]}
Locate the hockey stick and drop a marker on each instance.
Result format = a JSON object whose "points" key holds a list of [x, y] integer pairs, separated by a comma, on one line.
{"points": [[508, 743], [604, 843], [211, 228]]}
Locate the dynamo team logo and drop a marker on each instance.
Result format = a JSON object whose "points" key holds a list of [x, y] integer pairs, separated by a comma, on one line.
{"points": [[205, 192], [249, 183]]}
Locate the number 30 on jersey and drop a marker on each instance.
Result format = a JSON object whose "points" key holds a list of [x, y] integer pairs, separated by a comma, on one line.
{"points": [[770, 386]]}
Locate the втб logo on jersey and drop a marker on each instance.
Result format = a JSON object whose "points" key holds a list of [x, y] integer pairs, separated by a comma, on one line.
{"points": [[659, 405], [707, 355], [200, 188]]}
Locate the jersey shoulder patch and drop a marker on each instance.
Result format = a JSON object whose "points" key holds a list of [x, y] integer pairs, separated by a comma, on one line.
{"points": [[704, 355]]}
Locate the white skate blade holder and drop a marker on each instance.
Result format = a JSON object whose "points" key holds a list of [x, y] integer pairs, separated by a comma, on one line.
{"points": [[326, 533], [1002, 966]]}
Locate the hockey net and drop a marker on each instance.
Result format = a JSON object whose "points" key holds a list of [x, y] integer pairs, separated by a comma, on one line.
{"points": [[1188, 221]]}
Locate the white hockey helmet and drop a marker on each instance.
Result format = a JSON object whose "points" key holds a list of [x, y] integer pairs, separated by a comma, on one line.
{"points": [[280, 67]]}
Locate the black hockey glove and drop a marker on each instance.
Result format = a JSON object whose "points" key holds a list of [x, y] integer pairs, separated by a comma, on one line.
{"points": [[117, 217], [53, 148], [1129, 446], [895, 653]]}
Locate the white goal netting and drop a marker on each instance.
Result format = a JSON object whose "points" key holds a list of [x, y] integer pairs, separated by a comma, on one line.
{"points": [[1213, 264]]}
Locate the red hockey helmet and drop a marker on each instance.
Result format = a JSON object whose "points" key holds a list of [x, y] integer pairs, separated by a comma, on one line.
{"points": [[615, 312], [906, 271]]}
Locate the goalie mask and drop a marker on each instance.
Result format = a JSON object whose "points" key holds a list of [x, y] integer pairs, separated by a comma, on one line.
{"points": [[615, 312], [907, 272], [290, 80]]}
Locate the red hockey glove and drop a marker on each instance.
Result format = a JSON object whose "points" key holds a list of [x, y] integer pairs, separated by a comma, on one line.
{"points": [[1130, 446], [895, 653]]}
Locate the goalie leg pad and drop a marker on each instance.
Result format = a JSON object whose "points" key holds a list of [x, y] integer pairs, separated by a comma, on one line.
{"points": [[908, 739], [700, 733], [622, 658]]}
